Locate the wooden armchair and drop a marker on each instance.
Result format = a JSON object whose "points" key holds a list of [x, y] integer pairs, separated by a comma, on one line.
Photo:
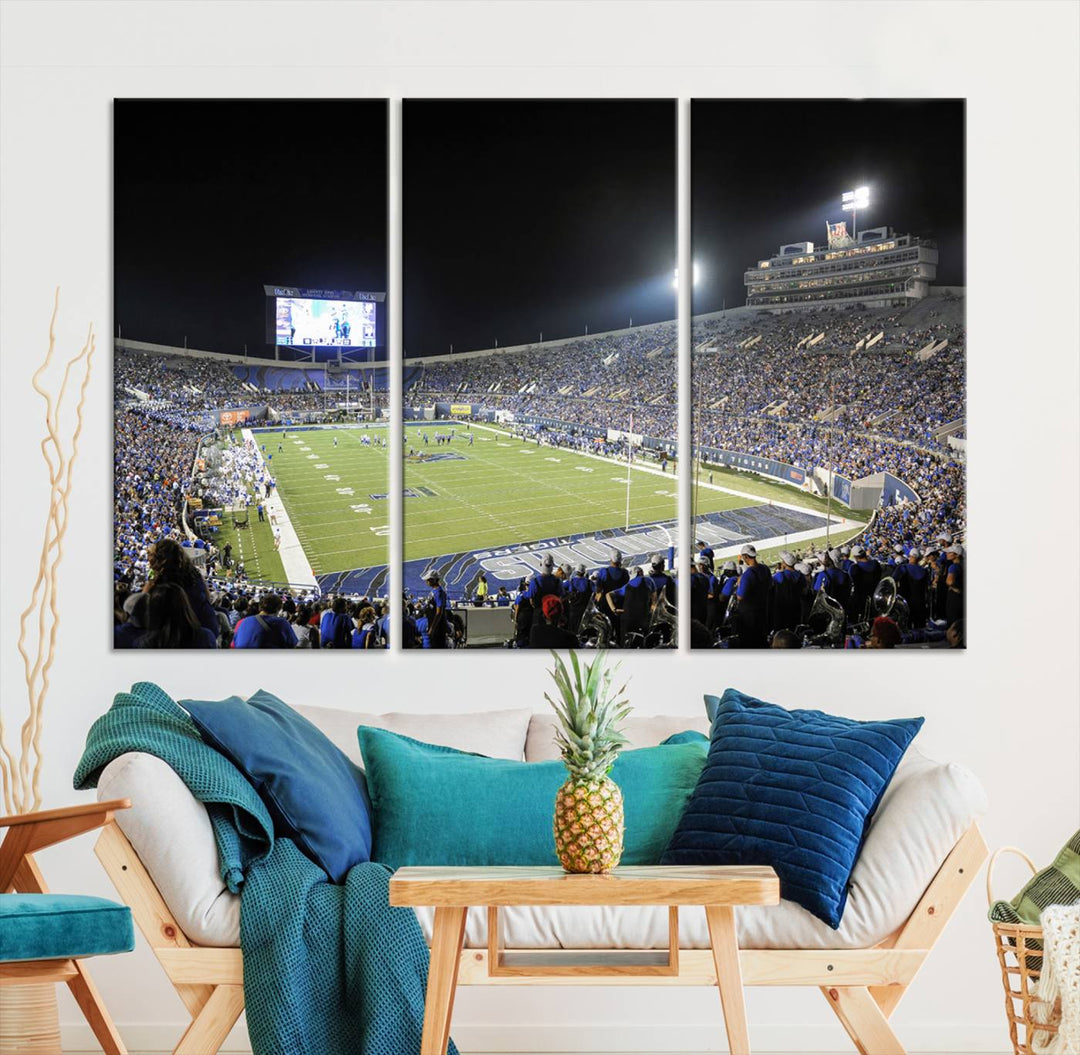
{"points": [[45, 937]]}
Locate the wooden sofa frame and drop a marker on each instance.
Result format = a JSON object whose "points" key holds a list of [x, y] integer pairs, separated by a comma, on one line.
{"points": [[862, 986]]}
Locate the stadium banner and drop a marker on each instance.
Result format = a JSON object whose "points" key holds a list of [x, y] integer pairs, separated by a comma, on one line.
{"points": [[617, 435], [895, 490], [841, 489], [789, 474], [460, 410], [239, 415]]}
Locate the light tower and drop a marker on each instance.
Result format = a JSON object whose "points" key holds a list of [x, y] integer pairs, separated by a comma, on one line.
{"points": [[853, 200], [694, 278]]}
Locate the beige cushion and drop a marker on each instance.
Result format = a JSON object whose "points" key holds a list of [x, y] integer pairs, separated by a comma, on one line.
{"points": [[642, 731], [171, 832], [926, 809], [497, 734]]}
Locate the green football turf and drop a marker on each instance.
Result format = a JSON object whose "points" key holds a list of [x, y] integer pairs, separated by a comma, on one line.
{"points": [[335, 535], [493, 495], [254, 547], [504, 492], [705, 499]]}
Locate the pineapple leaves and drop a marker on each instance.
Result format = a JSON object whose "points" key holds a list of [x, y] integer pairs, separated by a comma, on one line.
{"points": [[588, 714]]}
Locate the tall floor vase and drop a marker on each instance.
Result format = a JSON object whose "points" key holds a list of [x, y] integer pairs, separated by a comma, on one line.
{"points": [[29, 1022]]}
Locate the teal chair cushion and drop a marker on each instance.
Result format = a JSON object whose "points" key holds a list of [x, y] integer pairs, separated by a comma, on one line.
{"points": [[59, 926]]}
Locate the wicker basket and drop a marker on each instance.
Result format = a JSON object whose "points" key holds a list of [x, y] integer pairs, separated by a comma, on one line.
{"points": [[1020, 955]]}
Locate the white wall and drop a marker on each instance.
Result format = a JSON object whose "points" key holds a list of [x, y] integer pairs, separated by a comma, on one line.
{"points": [[1007, 708]]}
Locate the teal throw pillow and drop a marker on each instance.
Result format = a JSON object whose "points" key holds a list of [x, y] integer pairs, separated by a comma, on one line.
{"points": [[437, 806]]}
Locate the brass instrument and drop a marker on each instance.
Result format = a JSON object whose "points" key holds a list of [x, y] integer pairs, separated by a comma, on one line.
{"points": [[825, 622], [887, 602], [593, 621], [663, 629]]}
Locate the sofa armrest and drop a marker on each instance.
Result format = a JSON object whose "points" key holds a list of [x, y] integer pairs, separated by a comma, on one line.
{"points": [[29, 832], [170, 831]]}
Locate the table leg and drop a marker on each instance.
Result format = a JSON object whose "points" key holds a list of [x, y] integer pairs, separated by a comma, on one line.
{"points": [[446, 941], [725, 950]]}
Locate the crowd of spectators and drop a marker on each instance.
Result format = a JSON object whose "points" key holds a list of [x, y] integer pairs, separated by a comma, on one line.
{"points": [[163, 405], [169, 603], [764, 384], [844, 597], [187, 389]]}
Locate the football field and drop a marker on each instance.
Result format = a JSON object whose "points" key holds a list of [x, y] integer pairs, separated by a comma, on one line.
{"points": [[501, 492], [468, 504], [336, 498]]}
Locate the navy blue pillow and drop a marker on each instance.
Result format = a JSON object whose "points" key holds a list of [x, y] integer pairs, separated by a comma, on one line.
{"points": [[792, 789], [315, 795]]}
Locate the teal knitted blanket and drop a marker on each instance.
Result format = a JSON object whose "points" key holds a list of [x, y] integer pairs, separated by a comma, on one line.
{"points": [[328, 969]]}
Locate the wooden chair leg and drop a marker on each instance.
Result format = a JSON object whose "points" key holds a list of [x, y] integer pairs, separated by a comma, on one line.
{"points": [[725, 950], [446, 941], [211, 1025], [94, 1011], [864, 1021]]}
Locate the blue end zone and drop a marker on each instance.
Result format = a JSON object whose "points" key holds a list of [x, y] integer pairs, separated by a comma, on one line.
{"points": [[753, 523], [367, 582], [506, 566]]}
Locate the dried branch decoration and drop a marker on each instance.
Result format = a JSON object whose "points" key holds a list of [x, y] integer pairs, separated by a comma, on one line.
{"points": [[40, 621]]}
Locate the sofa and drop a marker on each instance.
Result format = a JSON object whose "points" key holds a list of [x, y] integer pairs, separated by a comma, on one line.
{"points": [[921, 852]]}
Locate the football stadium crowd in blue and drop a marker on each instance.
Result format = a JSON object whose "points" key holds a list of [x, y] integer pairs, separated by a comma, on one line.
{"points": [[859, 412], [832, 405], [174, 591]]}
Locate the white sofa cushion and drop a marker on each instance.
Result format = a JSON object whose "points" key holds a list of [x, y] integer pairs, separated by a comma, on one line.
{"points": [[925, 810], [640, 730], [171, 832], [497, 734]]}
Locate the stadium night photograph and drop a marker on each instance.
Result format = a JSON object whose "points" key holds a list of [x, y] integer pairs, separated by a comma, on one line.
{"points": [[252, 468], [576, 359], [540, 373], [540, 376], [829, 396]]}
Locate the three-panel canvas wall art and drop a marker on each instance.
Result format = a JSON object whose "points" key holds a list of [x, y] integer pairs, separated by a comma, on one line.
{"points": [[536, 398]]}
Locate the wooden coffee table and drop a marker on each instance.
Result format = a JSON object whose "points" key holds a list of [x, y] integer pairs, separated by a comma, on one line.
{"points": [[452, 891]]}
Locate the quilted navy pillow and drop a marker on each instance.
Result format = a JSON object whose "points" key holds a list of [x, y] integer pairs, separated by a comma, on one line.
{"points": [[792, 789]]}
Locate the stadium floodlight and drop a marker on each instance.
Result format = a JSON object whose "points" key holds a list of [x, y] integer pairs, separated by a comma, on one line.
{"points": [[696, 276], [853, 201]]}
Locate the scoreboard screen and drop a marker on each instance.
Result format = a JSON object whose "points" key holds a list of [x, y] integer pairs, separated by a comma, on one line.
{"points": [[306, 322]]}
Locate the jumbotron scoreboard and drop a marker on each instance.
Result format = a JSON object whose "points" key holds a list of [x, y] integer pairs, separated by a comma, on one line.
{"points": [[310, 319]]}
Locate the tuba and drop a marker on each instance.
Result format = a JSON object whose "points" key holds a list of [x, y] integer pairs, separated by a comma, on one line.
{"points": [[663, 629], [825, 621], [888, 602], [594, 622]]}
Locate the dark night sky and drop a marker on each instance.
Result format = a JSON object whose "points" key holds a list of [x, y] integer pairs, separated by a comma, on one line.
{"points": [[519, 215], [768, 172], [524, 215], [212, 199]]}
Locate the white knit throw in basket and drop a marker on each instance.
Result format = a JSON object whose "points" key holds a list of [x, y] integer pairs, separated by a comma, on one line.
{"points": [[1060, 979]]}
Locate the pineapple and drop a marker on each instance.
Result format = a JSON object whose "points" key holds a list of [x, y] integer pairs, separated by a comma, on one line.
{"points": [[589, 807]]}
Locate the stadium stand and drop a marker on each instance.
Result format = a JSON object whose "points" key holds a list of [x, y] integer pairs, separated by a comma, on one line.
{"points": [[165, 410], [846, 390], [840, 389]]}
